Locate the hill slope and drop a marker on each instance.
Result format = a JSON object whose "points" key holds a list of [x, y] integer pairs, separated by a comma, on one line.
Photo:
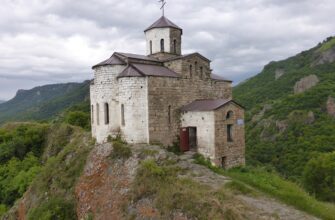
{"points": [[78, 180], [43, 102], [290, 118]]}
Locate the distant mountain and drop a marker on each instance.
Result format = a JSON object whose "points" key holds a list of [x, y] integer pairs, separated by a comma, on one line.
{"points": [[2, 101], [290, 113], [43, 102]]}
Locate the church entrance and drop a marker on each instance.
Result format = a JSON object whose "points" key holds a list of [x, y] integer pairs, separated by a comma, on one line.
{"points": [[192, 138], [188, 139]]}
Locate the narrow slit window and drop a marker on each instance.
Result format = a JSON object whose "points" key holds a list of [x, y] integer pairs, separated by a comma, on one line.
{"points": [[122, 115], [150, 47], [106, 113], [92, 113], [169, 114], [201, 72], [230, 133], [98, 114], [191, 71], [162, 45], [175, 46]]}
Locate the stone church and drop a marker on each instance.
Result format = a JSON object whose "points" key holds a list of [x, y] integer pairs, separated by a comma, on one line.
{"points": [[167, 97]]}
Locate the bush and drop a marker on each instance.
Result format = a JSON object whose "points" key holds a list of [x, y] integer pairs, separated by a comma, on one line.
{"points": [[55, 208], [319, 176], [78, 118], [121, 151]]}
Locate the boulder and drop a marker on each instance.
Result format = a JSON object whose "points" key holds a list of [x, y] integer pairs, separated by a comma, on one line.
{"points": [[305, 83]]}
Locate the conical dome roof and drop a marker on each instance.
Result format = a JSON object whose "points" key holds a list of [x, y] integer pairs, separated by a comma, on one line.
{"points": [[163, 22]]}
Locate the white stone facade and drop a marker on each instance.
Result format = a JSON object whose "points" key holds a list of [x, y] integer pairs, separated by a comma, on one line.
{"points": [[205, 124], [155, 36]]}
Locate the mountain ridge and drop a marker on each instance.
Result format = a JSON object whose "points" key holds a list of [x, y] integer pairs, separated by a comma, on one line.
{"points": [[43, 102]]}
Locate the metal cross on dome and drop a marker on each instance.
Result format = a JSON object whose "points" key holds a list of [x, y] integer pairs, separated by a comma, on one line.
{"points": [[163, 5]]}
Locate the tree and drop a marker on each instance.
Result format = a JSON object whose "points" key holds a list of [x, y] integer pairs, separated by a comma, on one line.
{"points": [[319, 176]]}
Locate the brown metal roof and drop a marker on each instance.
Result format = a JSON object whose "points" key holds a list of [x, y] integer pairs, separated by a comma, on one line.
{"points": [[130, 71], [185, 56], [137, 56], [138, 70], [219, 78], [113, 60], [163, 22], [207, 105]]}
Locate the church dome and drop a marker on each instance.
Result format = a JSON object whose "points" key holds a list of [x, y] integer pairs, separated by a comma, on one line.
{"points": [[163, 22]]}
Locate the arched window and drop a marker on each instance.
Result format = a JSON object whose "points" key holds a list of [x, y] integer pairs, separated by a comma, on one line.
{"points": [[106, 108], [162, 45], [122, 115], [150, 47], [175, 46], [98, 114], [229, 115], [92, 114], [169, 114], [230, 133], [191, 71]]}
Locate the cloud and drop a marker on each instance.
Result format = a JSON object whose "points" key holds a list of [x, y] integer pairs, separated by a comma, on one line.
{"points": [[52, 41]]}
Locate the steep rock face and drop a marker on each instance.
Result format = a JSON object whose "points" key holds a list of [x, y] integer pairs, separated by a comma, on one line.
{"points": [[327, 56], [279, 73], [305, 83], [104, 191], [331, 106]]}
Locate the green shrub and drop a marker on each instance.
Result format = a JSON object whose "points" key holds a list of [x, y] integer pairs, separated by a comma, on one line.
{"points": [[78, 118], [3, 209], [319, 176], [53, 209], [121, 151]]}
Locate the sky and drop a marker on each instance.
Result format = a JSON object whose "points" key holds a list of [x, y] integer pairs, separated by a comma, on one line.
{"points": [[55, 41]]}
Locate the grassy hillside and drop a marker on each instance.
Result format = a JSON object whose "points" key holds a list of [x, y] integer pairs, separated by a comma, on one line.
{"points": [[287, 131], [44, 102]]}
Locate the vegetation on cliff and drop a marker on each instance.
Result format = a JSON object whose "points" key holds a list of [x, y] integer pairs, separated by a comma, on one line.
{"points": [[288, 131]]}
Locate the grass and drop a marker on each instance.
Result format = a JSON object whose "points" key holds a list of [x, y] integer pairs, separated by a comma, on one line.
{"points": [[120, 149], [239, 187], [170, 193], [286, 191], [273, 185], [53, 189]]}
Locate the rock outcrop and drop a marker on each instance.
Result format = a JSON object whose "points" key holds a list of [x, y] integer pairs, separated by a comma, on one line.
{"points": [[327, 56], [279, 73], [305, 84]]}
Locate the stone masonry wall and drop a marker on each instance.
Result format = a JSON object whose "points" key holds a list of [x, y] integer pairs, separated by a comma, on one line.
{"points": [[175, 34], [234, 151], [105, 90], [133, 94], [204, 122], [177, 92]]}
